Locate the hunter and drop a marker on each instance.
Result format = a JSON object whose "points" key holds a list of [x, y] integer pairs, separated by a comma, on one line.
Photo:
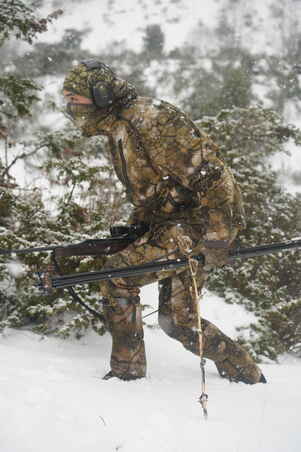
{"points": [[182, 193]]}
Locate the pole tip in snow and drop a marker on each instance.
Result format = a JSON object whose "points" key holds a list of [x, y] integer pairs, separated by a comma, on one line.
{"points": [[203, 400]]}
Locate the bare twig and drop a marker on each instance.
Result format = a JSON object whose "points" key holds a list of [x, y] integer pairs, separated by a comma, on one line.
{"points": [[103, 421], [24, 155], [71, 193]]}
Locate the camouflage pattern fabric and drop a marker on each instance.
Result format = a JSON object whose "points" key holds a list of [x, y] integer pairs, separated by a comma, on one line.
{"points": [[177, 310], [179, 185]]}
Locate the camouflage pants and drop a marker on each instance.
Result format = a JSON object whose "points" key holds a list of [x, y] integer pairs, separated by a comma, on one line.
{"points": [[177, 311]]}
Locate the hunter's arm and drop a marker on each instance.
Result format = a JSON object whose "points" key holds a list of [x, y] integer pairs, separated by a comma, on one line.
{"points": [[190, 158]]}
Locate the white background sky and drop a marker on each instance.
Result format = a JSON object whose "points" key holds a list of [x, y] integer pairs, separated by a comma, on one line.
{"points": [[130, 16]]}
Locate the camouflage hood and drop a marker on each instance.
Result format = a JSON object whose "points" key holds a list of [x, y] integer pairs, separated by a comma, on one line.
{"points": [[82, 80]]}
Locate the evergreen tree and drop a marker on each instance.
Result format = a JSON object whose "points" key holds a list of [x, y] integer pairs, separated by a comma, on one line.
{"points": [[153, 41], [25, 220]]}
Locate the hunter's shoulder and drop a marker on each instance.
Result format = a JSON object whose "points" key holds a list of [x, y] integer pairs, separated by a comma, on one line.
{"points": [[141, 105], [158, 111]]}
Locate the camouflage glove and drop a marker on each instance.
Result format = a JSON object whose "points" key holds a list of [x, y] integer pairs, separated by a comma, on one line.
{"points": [[216, 253]]}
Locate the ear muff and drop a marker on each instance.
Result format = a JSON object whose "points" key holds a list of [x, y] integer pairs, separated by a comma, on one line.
{"points": [[102, 95]]}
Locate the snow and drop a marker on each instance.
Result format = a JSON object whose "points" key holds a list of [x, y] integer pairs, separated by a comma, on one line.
{"points": [[285, 165], [53, 398], [15, 269]]}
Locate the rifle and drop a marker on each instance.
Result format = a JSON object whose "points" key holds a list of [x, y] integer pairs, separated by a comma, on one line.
{"points": [[121, 237], [168, 265]]}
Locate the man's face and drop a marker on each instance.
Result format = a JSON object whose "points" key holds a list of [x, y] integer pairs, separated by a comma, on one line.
{"points": [[76, 98], [80, 109]]}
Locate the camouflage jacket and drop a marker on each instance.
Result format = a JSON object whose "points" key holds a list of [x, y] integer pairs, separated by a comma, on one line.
{"points": [[171, 170]]}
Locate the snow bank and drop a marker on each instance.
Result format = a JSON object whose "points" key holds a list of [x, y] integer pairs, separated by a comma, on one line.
{"points": [[53, 398]]}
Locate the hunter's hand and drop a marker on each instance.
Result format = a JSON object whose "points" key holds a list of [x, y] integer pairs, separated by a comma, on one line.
{"points": [[216, 253]]}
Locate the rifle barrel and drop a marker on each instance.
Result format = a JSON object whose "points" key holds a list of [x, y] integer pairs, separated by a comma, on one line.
{"points": [[262, 250], [88, 277]]}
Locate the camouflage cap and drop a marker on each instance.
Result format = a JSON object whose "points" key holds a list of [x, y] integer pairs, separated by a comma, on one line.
{"points": [[82, 78]]}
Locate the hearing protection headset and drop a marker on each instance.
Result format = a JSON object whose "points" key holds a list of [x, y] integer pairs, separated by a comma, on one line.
{"points": [[102, 93]]}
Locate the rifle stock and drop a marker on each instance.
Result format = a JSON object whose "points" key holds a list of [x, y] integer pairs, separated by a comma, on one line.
{"points": [[90, 247], [121, 237]]}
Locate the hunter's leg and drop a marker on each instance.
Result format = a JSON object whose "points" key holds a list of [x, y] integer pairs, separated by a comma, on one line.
{"points": [[178, 318], [122, 304], [123, 315]]}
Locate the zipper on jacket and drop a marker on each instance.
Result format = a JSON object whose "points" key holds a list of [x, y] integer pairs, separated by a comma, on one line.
{"points": [[125, 176]]}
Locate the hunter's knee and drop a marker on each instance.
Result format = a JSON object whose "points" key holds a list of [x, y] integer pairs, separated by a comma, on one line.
{"points": [[166, 324]]}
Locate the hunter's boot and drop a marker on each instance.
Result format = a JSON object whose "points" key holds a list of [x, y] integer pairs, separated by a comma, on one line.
{"points": [[232, 361]]}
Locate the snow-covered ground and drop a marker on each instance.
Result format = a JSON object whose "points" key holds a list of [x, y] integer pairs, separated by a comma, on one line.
{"points": [[52, 397]]}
